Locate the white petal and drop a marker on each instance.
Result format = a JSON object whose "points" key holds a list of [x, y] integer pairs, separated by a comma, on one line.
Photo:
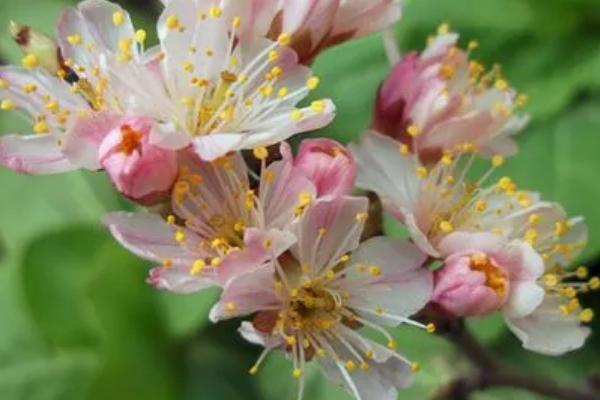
{"points": [[403, 287], [33, 154], [548, 332]]}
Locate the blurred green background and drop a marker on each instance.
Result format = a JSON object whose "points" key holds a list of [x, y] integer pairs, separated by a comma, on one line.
{"points": [[77, 320]]}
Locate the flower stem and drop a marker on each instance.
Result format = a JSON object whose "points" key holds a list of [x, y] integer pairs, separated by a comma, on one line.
{"points": [[490, 372]]}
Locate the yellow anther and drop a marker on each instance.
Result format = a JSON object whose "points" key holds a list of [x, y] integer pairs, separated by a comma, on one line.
{"points": [[260, 153], [230, 307], [447, 159], [413, 130], [41, 127], [167, 263], [415, 367], [345, 258], [284, 39], [582, 272], [534, 219], [369, 354], [551, 280], [313, 83], [443, 28], [501, 84], [446, 226], [282, 92], [374, 270], [297, 373], [531, 236], [273, 56], [480, 205], [118, 18], [215, 262], [253, 370], [322, 231], [197, 267], [431, 328], [586, 316], [172, 22], [473, 45], [74, 39], [236, 22], [350, 365], [594, 283], [187, 101], [215, 12], [267, 243], [392, 344], [570, 292], [497, 161], [297, 115], [179, 236], [140, 36], [421, 172], [276, 72], [522, 100], [561, 228], [318, 106], [7, 105], [404, 150], [362, 217], [30, 61], [170, 219], [290, 340]]}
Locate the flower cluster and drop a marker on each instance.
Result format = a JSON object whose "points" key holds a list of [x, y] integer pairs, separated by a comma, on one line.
{"points": [[174, 127]]}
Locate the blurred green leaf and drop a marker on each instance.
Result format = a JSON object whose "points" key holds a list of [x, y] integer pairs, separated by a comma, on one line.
{"points": [[186, 314], [86, 293], [559, 159], [63, 376]]}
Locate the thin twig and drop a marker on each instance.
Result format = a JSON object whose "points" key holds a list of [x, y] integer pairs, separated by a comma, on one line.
{"points": [[491, 372]]}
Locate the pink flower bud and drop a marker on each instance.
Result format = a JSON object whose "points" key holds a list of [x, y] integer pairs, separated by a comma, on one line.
{"points": [[470, 285], [328, 164], [438, 100], [139, 170]]}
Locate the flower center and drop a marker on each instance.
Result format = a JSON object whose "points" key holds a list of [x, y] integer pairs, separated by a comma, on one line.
{"points": [[310, 309], [131, 140], [495, 277]]}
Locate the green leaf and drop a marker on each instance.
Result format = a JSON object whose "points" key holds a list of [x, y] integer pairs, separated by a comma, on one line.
{"points": [[186, 314], [64, 376], [86, 293], [559, 159]]}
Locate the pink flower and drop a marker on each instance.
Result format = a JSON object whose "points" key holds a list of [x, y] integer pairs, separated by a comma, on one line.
{"points": [[313, 24], [438, 200], [328, 165], [220, 226], [139, 170], [483, 273], [438, 99], [310, 301], [92, 39]]}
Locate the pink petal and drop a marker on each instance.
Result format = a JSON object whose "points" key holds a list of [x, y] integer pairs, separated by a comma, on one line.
{"points": [[82, 141], [148, 236], [329, 229], [247, 294], [259, 248], [33, 154], [280, 196], [178, 279]]}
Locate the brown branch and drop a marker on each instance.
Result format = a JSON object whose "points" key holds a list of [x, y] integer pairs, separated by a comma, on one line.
{"points": [[491, 372]]}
